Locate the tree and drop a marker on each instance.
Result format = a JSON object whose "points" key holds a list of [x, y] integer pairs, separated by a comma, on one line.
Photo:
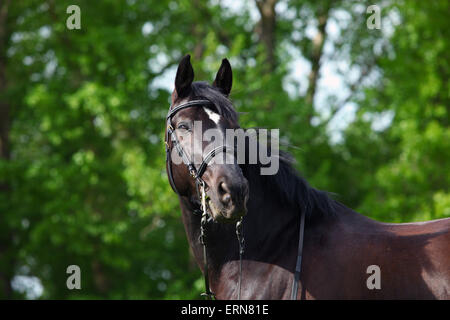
{"points": [[82, 171]]}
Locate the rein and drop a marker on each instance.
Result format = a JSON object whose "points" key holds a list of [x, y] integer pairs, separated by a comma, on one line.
{"points": [[197, 174], [298, 265]]}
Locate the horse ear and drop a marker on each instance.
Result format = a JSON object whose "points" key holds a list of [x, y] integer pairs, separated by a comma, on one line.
{"points": [[184, 77], [224, 77]]}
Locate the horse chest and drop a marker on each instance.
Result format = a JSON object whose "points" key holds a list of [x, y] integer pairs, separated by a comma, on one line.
{"points": [[260, 280]]}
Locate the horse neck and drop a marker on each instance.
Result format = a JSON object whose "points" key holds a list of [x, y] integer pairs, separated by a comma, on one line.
{"points": [[220, 238], [270, 229], [270, 226]]}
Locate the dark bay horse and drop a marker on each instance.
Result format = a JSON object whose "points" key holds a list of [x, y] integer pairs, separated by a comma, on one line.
{"points": [[340, 248]]}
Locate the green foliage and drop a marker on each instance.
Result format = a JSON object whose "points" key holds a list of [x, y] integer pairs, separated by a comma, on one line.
{"points": [[85, 182], [413, 182]]}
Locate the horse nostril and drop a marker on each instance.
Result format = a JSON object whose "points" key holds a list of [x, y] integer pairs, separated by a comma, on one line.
{"points": [[224, 192], [223, 188], [226, 199]]}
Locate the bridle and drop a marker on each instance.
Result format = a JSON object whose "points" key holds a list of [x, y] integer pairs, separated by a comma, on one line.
{"points": [[197, 174], [171, 136]]}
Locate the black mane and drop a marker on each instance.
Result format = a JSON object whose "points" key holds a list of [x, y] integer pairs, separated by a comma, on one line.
{"points": [[293, 189], [289, 186]]}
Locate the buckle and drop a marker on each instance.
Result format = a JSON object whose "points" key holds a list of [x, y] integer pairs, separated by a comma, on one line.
{"points": [[192, 170]]}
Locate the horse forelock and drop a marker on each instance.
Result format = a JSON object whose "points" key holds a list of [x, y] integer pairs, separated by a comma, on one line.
{"points": [[222, 104]]}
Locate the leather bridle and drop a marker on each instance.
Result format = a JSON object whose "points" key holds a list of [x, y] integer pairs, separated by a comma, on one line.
{"points": [[197, 174]]}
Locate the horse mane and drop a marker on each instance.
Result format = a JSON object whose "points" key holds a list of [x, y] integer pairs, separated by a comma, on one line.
{"points": [[292, 189], [288, 184]]}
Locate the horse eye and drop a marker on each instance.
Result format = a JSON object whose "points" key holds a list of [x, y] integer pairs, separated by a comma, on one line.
{"points": [[183, 126]]}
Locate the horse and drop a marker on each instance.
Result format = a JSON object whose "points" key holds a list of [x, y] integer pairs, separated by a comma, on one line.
{"points": [[345, 255]]}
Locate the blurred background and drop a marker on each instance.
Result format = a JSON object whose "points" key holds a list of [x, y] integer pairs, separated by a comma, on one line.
{"points": [[82, 164]]}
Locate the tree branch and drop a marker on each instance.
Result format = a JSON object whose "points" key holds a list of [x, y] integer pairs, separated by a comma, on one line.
{"points": [[266, 30], [316, 55]]}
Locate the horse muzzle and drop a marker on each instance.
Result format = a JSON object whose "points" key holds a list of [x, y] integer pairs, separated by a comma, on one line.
{"points": [[228, 200]]}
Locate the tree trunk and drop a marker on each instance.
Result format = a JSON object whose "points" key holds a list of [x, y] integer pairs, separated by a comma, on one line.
{"points": [[100, 279], [315, 57], [4, 106], [266, 30], [6, 266]]}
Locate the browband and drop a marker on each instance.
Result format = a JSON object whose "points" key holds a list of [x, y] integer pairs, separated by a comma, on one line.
{"points": [[186, 105]]}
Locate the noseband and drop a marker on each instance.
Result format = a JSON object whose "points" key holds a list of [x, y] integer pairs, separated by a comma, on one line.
{"points": [[197, 174]]}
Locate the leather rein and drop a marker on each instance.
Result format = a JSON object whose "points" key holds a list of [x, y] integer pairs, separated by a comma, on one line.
{"points": [[197, 174]]}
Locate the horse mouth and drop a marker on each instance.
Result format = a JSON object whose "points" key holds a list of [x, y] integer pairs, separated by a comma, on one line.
{"points": [[223, 215]]}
